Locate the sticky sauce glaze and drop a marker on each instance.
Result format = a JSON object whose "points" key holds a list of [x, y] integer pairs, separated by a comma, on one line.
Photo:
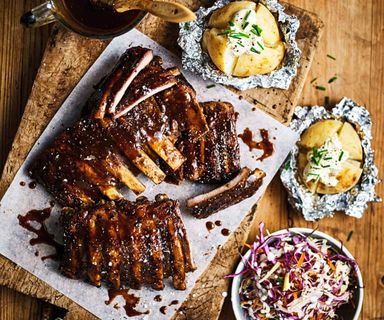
{"points": [[131, 301], [265, 144]]}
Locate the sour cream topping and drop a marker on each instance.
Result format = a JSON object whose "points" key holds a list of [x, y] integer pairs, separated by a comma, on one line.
{"points": [[244, 35], [325, 163]]}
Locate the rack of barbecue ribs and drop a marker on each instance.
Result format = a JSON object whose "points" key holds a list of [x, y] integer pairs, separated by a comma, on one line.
{"points": [[127, 243], [130, 124], [141, 118]]}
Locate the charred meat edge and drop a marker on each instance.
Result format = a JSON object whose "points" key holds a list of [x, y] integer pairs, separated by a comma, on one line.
{"points": [[112, 90], [243, 186]]}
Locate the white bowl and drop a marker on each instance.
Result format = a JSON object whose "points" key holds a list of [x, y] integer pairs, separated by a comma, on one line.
{"points": [[345, 311]]}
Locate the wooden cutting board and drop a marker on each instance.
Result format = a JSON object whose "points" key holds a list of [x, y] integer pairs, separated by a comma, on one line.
{"points": [[66, 59]]}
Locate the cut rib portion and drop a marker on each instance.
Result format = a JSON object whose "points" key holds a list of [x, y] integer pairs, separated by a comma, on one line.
{"points": [[84, 165], [127, 243], [216, 156], [152, 80], [113, 88], [243, 186]]}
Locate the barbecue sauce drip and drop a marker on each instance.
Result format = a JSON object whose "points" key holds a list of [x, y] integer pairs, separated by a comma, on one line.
{"points": [[86, 17], [158, 298], [131, 301], [43, 236], [225, 232], [265, 145], [32, 185], [210, 225]]}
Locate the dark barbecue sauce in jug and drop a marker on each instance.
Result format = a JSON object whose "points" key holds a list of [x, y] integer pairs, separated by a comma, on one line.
{"points": [[90, 19]]}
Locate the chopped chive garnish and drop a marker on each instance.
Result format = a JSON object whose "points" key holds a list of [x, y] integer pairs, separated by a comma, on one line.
{"points": [[313, 80], [186, 26], [231, 23], [243, 35], [313, 174], [228, 31], [328, 158], [332, 79], [350, 235], [245, 25], [240, 44], [247, 15], [287, 165], [257, 29], [318, 155], [326, 166], [254, 50], [237, 35], [260, 45], [330, 57], [326, 101], [211, 86], [321, 88], [341, 155]]}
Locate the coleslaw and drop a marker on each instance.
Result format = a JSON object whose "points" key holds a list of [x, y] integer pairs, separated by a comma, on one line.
{"points": [[291, 276]]}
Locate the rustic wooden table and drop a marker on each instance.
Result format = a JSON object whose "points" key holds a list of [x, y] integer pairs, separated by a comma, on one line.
{"points": [[354, 36]]}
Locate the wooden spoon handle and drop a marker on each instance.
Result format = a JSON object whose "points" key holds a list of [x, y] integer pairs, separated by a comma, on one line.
{"points": [[168, 11]]}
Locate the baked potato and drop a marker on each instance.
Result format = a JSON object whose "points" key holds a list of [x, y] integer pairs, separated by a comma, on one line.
{"points": [[221, 55], [220, 18], [348, 159], [347, 179], [251, 64], [217, 41]]}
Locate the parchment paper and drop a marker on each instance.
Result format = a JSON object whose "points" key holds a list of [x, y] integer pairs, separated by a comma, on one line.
{"points": [[14, 240]]}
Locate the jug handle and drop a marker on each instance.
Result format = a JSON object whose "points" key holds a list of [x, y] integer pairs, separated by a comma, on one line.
{"points": [[38, 16]]}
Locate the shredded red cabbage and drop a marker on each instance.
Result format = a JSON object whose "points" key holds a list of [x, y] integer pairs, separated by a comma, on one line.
{"points": [[292, 276]]}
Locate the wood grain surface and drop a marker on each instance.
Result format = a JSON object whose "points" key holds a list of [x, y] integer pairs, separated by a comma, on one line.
{"points": [[353, 35], [66, 58]]}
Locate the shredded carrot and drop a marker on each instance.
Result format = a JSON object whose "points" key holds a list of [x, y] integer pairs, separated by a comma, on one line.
{"points": [[247, 245], [331, 265], [301, 260], [255, 303], [295, 295]]}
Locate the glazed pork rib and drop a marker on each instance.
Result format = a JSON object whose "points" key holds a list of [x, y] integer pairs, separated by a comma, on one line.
{"points": [[151, 81], [216, 156], [112, 89], [143, 76], [243, 186], [127, 243], [83, 165]]}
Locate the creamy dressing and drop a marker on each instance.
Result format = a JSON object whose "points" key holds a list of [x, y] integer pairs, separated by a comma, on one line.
{"points": [[244, 36], [325, 163]]}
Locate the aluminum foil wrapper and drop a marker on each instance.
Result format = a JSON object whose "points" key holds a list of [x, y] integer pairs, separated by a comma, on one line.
{"points": [[353, 202], [198, 61]]}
